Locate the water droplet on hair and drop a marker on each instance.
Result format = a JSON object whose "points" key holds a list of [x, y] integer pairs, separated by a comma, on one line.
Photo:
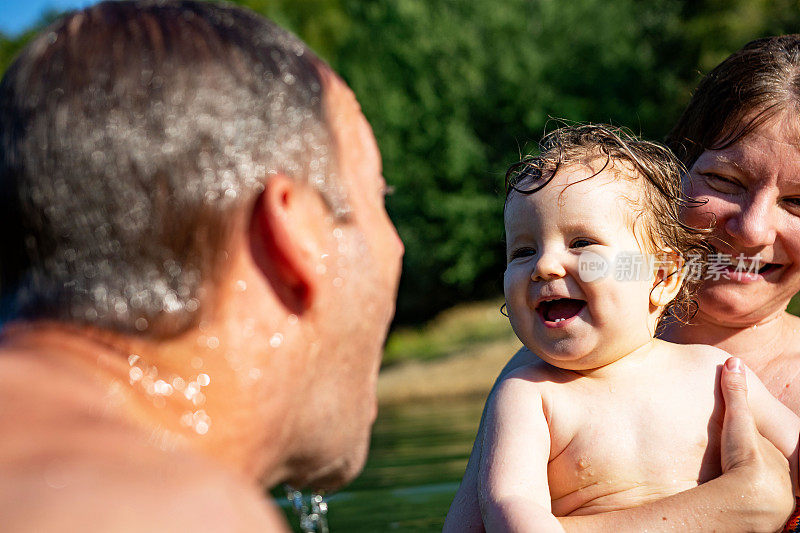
{"points": [[140, 324], [203, 380], [213, 343]]}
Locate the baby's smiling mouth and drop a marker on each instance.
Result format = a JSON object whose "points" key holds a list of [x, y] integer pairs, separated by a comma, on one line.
{"points": [[560, 309]]}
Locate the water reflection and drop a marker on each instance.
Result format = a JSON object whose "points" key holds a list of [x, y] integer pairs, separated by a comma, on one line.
{"points": [[417, 457]]}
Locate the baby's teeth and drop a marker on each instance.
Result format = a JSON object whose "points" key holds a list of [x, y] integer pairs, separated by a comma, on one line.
{"points": [[559, 320]]}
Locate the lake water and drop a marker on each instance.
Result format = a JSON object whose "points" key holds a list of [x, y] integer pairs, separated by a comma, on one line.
{"points": [[417, 457]]}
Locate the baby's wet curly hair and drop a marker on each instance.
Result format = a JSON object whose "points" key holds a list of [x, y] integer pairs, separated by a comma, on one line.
{"points": [[649, 164]]}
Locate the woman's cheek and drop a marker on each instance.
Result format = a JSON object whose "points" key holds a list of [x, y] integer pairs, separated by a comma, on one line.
{"points": [[711, 211]]}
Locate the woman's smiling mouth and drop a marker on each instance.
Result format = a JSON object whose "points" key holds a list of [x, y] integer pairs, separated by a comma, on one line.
{"points": [[739, 268]]}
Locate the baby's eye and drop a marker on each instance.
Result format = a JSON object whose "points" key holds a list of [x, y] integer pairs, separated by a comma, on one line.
{"points": [[581, 243], [521, 252], [721, 183]]}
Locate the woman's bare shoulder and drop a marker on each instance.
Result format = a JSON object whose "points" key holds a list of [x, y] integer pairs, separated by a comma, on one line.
{"points": [[781, 375]]}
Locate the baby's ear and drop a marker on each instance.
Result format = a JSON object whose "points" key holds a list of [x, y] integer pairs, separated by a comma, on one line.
{"points": [[669, 276]]}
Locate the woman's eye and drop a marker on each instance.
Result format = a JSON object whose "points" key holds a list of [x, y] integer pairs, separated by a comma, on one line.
{"points": [[793, 202], [581, 243], [721, 183]]}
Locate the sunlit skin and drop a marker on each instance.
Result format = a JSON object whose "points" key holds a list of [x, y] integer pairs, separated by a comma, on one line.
{"points": [[546, 234], [291, 352], [755, 212], [752, 188], [572, 433]]}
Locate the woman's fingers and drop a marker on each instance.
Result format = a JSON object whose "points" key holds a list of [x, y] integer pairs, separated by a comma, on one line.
{"points": [[739, 443], [764, 471]]}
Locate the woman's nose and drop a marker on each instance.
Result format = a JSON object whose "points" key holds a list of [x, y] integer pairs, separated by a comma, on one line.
{"points": [[754, 225], [548, 267]]}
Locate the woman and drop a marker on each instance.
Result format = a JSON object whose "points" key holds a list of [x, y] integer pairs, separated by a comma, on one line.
{"points": [[740, 139]]}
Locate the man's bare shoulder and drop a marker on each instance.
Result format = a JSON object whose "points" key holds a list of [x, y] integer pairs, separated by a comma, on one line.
{"points": [[66, 466]]}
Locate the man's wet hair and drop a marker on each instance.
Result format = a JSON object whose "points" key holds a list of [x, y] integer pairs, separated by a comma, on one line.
{"points": [[133, 137], [656, 214]]}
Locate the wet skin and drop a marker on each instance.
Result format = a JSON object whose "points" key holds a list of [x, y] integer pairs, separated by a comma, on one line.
{"points": [[547, 234], [752, 189], [90, 444], [572, 434], [755, 213]]}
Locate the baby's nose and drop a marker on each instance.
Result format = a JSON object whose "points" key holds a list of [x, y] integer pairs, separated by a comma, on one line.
{"points": [[548, 267]]}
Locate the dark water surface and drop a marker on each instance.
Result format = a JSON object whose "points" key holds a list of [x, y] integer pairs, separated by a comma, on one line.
{"points": [[417, 457]]}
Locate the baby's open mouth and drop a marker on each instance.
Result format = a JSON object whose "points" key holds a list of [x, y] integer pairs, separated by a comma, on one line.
{"points": [[560, 309]]}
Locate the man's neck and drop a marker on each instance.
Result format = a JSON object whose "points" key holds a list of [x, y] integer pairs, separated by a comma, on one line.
{"points": [[173, 404], [94, 362], [756, 344]]}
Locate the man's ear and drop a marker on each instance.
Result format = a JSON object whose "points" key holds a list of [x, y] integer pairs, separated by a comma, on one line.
{"points": [[284, 239], [669, 276]]}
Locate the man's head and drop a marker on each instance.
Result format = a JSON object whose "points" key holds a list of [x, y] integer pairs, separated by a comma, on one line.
{"points": [[132, 133], [194, 180]]}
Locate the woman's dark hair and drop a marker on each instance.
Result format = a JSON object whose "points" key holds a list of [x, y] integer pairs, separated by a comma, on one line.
{"points": [[740, 94]]}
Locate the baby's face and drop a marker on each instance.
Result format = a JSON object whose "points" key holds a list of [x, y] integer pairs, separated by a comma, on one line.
{"points": [[561, 304]]}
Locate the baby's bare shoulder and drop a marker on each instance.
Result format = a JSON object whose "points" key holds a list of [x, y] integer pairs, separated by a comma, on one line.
{"points": [[696, 355], [538, 373]]}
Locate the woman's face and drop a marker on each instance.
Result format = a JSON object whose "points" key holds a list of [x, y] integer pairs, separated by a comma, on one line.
{"points": [[753, 189]]}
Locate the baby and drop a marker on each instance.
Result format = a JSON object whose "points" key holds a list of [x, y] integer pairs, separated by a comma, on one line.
{"points": [[596, 256]]}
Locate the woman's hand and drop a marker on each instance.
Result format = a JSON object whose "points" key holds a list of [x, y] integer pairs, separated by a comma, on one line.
{"points": [[764, 470]]}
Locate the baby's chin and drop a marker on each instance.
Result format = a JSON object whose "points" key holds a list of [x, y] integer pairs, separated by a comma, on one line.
{"points": [[573, 357]]}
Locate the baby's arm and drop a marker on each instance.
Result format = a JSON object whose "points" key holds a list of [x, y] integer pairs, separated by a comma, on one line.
{"points": [[512, 486], [776, 422]]}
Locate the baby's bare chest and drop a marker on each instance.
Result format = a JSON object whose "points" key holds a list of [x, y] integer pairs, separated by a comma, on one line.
{"points": [[632, 444]]}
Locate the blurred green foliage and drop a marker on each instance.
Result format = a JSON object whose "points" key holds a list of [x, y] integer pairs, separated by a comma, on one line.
{"points": [[456, 90]]}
